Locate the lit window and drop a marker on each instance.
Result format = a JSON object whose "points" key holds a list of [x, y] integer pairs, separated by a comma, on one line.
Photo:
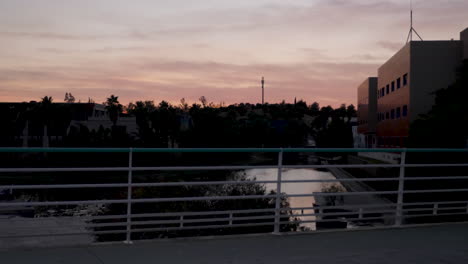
{"points": [[393, 86], [398, 83], [405, 110], [398, 112], [393, 113], [405, 79]]}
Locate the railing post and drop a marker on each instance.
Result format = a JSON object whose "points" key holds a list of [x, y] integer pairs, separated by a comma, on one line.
{"points": [[181, 221], [278, 194], [401, 187], [128, 239]]}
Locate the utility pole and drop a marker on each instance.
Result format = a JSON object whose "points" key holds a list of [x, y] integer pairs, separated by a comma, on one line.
{"points": [[263, 90]]}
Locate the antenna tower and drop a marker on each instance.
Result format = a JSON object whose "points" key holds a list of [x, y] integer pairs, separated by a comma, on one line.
{"points": [[263, 90], [410, 33]]}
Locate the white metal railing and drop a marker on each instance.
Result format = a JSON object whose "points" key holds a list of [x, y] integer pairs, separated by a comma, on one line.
{"points": [[130, 222]]}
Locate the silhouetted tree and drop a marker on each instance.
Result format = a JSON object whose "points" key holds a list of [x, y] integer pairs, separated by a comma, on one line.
{"points": [[114, 108], [69, 98], [203, 101], [446, 124]]}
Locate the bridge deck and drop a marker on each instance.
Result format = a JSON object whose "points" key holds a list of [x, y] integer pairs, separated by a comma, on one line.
{"points": [[429, 244]]}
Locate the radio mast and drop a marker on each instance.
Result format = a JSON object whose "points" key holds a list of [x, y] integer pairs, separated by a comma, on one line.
{"points": [[410, 34], [263, 90]]}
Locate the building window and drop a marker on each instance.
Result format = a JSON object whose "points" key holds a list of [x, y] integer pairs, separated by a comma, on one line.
{"points": [[405, 79], [387, 115], [405, 110], [388, 88], [393, 113], [398, 83], [393, 86], [398, 112], [382, 92]]}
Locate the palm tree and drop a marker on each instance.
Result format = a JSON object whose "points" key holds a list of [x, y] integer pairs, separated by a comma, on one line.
{"points": [[114, 108]]}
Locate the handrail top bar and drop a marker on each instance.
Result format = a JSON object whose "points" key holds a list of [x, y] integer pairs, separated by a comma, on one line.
{"points": [[225, 150]]}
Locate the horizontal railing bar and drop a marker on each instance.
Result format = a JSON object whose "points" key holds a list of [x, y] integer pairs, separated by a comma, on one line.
{"points": [[431, 209], [142, 200], [357, 206], [206, 198], [339, 194], [212, 168], [54, 203], [436, 191], [344, 213], [434, 215], [338, 219], [63, 186], [228, 150], [432, 203], [373, 205], [203, 213], [88, 169], [167, 221], [121, 185], [436, 178], [139, 230], [203, 220], [211, 198]]}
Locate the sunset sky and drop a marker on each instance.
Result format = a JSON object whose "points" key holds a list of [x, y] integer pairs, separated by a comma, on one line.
{"points": [[316, 50]]}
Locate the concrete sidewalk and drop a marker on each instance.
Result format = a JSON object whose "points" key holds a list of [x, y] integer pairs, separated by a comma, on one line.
{"points": [[430, 244]]}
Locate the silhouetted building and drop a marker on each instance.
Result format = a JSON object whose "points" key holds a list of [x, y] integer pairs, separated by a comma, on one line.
{"points": [[24, 123], [367, 107], [406, 84], [95, 117]]}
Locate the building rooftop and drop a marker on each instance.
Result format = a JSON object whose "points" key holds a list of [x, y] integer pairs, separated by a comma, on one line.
{"points": [[430, 244]]}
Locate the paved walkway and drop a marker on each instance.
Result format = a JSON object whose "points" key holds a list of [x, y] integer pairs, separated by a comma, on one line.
{"points": [[436, 244]]}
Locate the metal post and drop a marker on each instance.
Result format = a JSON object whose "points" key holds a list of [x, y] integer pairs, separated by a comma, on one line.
{"points": [[401, 187], [181, 221], [128, 239], [278, 194], [230, 219], [360, 213]]}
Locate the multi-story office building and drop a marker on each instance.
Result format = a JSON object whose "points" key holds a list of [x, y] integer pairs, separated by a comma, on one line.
{"points": [[407, 82], [367, 107]]}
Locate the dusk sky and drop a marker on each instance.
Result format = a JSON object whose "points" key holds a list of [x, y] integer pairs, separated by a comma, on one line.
{"points": [[316, 50]]}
